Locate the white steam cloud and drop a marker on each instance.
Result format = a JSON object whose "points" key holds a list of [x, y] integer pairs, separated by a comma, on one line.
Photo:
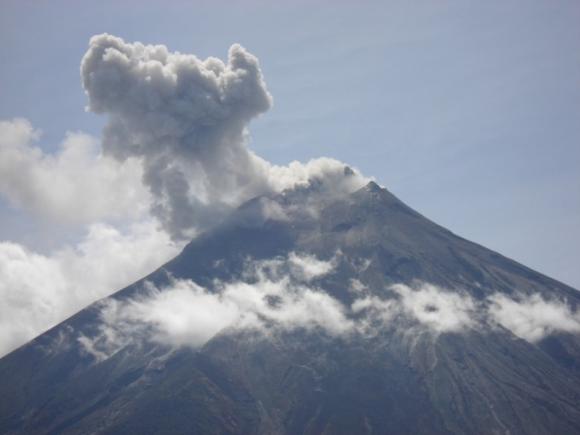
{"points": [[428, 306]]}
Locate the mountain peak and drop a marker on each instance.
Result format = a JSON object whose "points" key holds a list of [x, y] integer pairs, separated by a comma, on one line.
{"points": [[373, 187]]}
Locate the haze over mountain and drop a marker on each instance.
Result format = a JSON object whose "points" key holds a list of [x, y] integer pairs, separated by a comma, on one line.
{"points": [[308, 299]]}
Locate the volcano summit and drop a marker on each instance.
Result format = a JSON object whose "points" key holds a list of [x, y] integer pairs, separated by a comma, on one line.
{"points": [[307, 313]]}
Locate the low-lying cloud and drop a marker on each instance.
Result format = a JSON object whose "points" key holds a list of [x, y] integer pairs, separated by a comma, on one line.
{"points": [[532, 317], [427, 305], [77, 184], [284, 294], [174, 154], [279, 295]]}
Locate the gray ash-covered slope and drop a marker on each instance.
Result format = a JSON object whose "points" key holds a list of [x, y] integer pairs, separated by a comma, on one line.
{"points": [[477, 381]]}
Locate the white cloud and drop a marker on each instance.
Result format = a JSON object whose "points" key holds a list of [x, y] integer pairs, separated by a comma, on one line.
{"points": [[273, 295], [186, 314], [38, 291], [272, 298], [279, 294], [76, 184], [356, 286], [186, 118], [532, 317], [375, 313], [440, 310], [309, 267], [436, 309]]}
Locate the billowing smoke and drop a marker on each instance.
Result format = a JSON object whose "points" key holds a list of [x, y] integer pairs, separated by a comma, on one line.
{"points": [[186, 119]]}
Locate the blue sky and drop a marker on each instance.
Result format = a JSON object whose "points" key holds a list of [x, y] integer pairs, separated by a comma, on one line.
{"points": [[468, 111]]}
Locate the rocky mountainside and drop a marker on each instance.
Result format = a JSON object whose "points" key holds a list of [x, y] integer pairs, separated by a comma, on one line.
{"points": [[368, 319]]}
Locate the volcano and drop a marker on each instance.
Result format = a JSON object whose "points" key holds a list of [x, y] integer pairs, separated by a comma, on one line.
{"points": [[368, 319]]}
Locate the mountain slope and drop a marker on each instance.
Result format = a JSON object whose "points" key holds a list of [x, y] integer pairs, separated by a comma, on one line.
{"points": [[403, 375]]}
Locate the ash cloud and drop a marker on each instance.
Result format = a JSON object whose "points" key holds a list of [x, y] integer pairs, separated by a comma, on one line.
{"points": [[187, 119]]}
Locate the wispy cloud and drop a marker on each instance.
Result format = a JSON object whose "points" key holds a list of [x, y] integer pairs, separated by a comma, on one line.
{"points": [[532, 317], [427, 306], [185, 314], [284, 294], [174, 154]]}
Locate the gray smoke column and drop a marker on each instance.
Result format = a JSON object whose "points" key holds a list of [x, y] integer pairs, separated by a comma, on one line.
{"points": [[185, 117]]}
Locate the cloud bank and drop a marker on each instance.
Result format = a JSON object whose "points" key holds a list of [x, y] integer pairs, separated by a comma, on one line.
{"points": [[38, 291], [428, 306], [77, 184], [282, 294], [285, 294]]}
